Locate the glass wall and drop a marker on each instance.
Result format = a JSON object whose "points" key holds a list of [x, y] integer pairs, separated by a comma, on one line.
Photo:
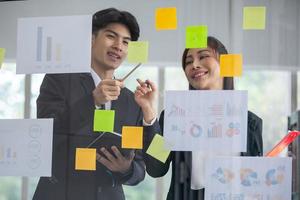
{"points": [[268, 91], [11, 107]]}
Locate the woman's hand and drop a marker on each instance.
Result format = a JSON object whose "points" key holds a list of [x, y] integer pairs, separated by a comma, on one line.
{"points": [[144, 96]]}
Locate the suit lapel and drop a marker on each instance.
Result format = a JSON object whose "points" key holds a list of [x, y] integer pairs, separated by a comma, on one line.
{"points": [[87, 109]]}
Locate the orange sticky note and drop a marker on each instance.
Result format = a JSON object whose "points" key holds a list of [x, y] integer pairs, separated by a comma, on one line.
{"points": [[165, 18], [85, 159], [231, 65], [254, 18], [132, 137]]}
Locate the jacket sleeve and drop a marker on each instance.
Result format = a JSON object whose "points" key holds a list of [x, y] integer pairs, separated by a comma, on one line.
{"points": [[254, 138], [154, 167]]}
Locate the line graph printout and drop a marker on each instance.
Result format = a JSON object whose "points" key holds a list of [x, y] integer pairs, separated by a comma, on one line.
{"points": [[26, 147], [211, 120], [60, 44]]}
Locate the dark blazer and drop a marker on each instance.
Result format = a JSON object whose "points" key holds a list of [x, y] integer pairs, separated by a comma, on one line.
{"points": [[180, 188], [68, 99]]}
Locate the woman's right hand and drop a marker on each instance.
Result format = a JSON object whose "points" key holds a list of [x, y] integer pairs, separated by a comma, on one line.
{"points": [[145, 95]]}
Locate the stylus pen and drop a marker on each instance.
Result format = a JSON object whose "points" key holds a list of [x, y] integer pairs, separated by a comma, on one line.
{"points": [[123, 79]]}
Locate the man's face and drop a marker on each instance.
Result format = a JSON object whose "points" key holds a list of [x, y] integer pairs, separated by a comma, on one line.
{"points": [[109, 46]]}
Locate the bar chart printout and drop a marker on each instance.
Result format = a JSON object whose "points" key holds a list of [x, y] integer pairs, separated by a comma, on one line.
{"points": [[44, 44]]}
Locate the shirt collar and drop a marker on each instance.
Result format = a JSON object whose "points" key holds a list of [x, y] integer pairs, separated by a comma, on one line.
{"points": [[95, 77]]}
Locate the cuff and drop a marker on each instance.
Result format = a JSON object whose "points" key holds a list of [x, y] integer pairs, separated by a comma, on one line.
{"points": [[149, 124]]}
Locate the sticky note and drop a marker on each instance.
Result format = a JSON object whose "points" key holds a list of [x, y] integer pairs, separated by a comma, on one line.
{"points": [[85, 159], [254, 18], [157, 149], [104, 120], [196, 37], [231, 65], [166, 18], [132, 137], [2, 54], [138, 52]]}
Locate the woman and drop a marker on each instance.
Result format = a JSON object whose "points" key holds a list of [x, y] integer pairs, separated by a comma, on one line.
{"points": [[202, 70]]}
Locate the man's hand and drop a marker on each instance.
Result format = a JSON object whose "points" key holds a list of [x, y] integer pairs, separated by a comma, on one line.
{"points": [[117, 163], [107, 90]]}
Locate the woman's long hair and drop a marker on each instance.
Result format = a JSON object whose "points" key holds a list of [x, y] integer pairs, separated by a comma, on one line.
{"points": [[220, 49]]}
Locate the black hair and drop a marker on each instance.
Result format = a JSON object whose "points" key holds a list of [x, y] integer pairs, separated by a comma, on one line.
{"points": [[103, 18], [215, 44]]}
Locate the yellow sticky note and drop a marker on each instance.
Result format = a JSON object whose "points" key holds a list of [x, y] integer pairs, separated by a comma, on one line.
{"points": [[254, 18], [166, 18], [231, 65], [85, 159], [104, 120], [132, 137], [2, 54], [196, 37], [138, 52], [157, 149]]}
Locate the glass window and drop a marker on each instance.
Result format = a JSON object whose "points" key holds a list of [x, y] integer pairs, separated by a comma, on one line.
{"points": [[268, 97], [11, 107], [145, 189]]}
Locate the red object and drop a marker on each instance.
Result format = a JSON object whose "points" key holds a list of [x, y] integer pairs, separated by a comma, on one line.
{"points": [[289, 138]]}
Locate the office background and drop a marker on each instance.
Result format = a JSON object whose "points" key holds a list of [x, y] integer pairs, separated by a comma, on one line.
{"points": [[271, 63]]}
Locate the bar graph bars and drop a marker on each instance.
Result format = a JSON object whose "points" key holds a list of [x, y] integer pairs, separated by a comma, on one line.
{"points": [[49, 47], [7, 153], [39, 43]]}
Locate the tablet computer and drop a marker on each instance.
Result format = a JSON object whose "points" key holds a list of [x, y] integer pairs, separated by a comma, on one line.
{"points": [[107, 140]]}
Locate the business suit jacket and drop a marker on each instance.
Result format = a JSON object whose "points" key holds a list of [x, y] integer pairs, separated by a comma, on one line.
{"points": [[180, 188], [68, 99]]}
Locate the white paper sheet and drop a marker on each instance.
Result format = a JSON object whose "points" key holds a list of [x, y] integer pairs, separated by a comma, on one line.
{"points": [[198, 167], [26, 147], [54, 44], [210, 121], [248, 178]]}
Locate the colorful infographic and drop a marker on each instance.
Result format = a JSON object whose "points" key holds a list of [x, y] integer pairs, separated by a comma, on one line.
{"points": [[206, 120], [54, 44], [244, 178], [26, 147]]}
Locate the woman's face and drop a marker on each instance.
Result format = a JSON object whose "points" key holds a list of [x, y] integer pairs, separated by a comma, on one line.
{"points": [[202, 69]]}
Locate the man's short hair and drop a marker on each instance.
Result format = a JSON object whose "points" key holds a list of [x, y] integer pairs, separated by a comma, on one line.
{"points": [[103, 18]]}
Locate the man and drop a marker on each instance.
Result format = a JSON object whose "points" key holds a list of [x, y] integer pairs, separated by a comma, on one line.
{"points": [[71, 100]]}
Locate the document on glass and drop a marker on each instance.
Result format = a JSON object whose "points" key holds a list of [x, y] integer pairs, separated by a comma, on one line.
{"points": [[248, 178], [206, 120], [26, 147], [59, 44]]}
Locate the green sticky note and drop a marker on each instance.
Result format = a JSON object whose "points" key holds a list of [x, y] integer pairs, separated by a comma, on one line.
{"points": [[138, 52], [2, 54], [196, 37], [157, 149], [254, 18], [104, 120]]}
